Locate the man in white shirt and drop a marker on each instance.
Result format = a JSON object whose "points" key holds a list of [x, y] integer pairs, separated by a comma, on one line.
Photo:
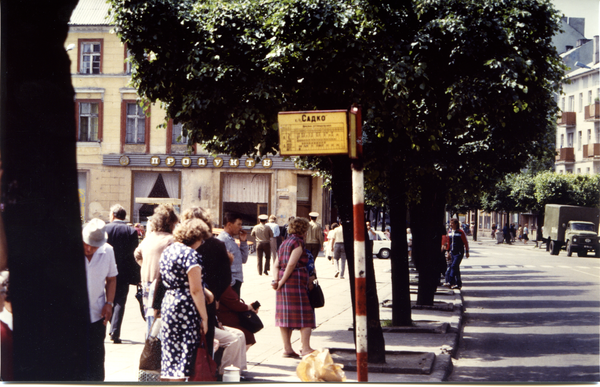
{"points": [[101, 272], [339, 252], [275, 228]]}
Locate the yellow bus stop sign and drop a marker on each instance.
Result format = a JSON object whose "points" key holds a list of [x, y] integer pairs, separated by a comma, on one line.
{"points": [[313, 132]]}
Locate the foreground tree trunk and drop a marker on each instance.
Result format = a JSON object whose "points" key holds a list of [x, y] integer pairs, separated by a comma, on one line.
{"points": [[427, 217], [401, 307], [45, 253], [341, 184]]}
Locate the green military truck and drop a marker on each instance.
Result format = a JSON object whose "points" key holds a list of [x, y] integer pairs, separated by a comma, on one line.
{"points": [[573, 228]]}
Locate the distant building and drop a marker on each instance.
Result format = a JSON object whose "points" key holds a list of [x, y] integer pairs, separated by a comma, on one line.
{"points": [[578, 124], [122, 157]]}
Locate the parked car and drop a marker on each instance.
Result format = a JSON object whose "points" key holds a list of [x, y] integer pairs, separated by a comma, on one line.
{"points": [[382, 245]]}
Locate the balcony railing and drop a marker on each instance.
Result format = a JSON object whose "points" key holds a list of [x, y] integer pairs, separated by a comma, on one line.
{"points": [[566, 154], [592, 112], [591, 150], [566, 119]]}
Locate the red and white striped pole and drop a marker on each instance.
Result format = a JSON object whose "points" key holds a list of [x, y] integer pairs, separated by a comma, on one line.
{"points": [[360, 267]]}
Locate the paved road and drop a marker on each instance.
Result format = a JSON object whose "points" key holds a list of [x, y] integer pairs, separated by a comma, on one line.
{"points": [[529, 316]]}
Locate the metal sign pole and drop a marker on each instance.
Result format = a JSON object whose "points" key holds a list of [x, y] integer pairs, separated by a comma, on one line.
{"points": [[360, 267]]}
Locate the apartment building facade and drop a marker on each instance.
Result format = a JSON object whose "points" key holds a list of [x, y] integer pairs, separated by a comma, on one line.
{"points": [[578, 123], [123, 156]]}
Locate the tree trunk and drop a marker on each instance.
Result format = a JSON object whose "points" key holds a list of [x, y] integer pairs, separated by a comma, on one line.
{"points": [[341, 184], [427, 218], [43, 227], [476, 225], [401, 307]]}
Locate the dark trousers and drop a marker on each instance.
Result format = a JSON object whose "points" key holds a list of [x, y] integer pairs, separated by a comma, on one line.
{"points": [[96, 363], [119, 309], [314, 249], [453, 274], [263, 248], [237, 287]]}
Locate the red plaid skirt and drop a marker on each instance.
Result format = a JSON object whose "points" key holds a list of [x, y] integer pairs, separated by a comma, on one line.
{"points": [[293, 308]]}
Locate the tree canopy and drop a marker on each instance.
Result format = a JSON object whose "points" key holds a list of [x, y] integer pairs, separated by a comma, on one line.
{"points": [[455, 93]]}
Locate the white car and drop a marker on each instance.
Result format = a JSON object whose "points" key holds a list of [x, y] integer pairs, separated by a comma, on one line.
{"points": [[382, 245]]}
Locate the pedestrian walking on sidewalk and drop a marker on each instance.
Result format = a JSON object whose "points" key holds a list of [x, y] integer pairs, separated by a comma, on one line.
{"points": [[276, 232], [101, 273], [263, 235], [459, 247], [290, 280], [314, 236], [124, 240], [339, 251]]}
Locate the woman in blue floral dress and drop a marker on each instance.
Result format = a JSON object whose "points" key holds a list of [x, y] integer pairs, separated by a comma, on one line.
{"points": [[183, 308]]}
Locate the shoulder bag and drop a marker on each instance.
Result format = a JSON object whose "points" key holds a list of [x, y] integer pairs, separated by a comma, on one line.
{"points": [[204, 368], [150, 359], [315, 295], [250, 321]]}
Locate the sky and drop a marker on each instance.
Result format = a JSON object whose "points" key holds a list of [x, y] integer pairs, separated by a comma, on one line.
{"points": [[588, 9]]}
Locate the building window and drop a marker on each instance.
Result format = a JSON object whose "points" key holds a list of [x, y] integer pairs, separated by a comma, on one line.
{"points": [[589, 97], [246, 194], [588, 171], [562, 141], [579, 171], [589, 139], [127, 68], [580, 102], [89, 120], [303, 198], [177, 136], [579, 140], [569, 140], [90, 56], [135, 124], [148, 185], [562, 104], [571, 103]]}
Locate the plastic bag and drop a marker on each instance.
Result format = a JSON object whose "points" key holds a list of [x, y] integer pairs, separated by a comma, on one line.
{"points": [[319, 367]]}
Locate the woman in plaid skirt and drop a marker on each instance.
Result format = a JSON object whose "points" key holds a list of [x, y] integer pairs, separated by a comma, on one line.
{"points": [[293, 310]]}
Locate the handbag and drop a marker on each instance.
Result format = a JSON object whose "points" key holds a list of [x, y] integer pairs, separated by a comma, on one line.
{"points": [[150, 359], [139, 295], [204, 368], [250, 321], [315, 295]]}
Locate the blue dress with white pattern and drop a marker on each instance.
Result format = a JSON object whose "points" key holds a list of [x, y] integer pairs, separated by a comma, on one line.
{"points": [[180, 319]]}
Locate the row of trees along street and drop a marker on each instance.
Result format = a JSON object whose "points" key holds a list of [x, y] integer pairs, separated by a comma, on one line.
{"points": [[529, 192], [455, 94]]}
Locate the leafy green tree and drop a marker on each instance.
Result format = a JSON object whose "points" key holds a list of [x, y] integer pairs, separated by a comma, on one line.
{"points": [[454, 93]]}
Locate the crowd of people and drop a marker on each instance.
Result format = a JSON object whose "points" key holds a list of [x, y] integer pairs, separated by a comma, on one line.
{"points": [[191, 283]]}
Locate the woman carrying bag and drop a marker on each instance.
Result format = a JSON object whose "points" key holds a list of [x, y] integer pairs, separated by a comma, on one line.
{"points": [[183, 309], [290, 280]]}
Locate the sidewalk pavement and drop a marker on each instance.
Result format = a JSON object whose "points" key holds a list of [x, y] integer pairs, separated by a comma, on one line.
{"points": [[433, 338]]}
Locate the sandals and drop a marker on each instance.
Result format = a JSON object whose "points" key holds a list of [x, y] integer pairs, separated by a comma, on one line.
{"points": [[293, 355]]}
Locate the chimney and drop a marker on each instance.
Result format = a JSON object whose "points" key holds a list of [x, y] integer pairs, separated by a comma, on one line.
{"points": [[595, 49]]}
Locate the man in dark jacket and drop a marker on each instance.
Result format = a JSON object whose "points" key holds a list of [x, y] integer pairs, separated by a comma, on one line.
{"points": [[124, 240]]}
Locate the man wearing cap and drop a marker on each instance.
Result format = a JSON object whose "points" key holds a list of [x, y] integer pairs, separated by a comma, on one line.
{"points": [[101, 272], [124, 240], [314, 236], [263, 235], [276, 232]]}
